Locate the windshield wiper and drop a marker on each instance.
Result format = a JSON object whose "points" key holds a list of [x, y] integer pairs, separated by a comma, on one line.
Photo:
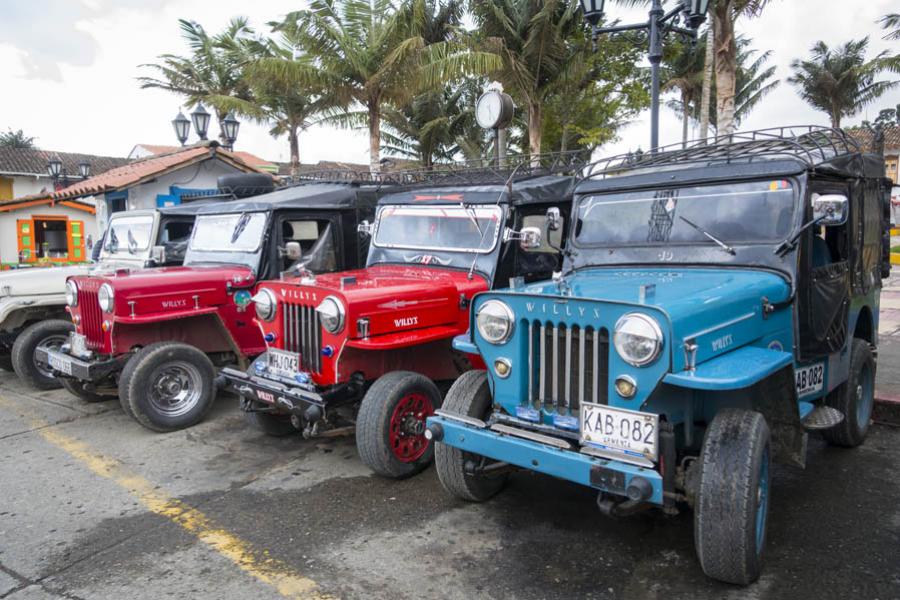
{"points": [[132, 243], [470, 212], [112, 246], [711, 237], [239, 227]]}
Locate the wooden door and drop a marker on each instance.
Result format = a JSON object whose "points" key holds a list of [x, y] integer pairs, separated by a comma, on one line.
{"points": [[25, 238], [76, 242]]}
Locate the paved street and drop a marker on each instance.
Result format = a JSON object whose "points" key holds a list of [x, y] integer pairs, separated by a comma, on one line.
{"points": [[94, 506]]}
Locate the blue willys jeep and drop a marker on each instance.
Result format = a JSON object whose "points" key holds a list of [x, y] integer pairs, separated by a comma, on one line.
{"points": [[717, 303]]}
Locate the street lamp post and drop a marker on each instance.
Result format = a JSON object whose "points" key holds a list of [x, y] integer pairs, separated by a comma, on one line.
{"points": [[200, 119], [657, 26], [230, 127], [57, 171]]}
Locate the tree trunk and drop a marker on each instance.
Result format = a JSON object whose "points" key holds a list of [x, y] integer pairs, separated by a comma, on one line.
{"points": [[685, 107], [374, 137], [293, 136], [708, 63], [534, 131], [726, 66]]}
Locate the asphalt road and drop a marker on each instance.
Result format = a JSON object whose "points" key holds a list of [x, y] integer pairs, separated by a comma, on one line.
{"points": [[94, 506]]}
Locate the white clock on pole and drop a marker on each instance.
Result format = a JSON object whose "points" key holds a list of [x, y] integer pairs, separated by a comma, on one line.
{"points": [[494, 109]]}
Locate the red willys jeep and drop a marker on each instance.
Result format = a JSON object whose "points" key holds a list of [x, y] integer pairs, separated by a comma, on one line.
{"points": [[155, 337], [371, 348]]}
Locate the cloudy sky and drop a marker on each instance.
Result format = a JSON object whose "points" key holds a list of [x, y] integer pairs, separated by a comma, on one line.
{"points": [[69, 69]]}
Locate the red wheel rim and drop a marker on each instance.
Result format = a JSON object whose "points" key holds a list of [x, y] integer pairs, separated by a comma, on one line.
{"points": [[407, 433]]}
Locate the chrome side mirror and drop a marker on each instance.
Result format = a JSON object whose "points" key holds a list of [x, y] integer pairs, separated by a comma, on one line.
{"points": [[365, 228], [529, 238], [554, 219], [292, 250], [158, 255], [830, 210]]}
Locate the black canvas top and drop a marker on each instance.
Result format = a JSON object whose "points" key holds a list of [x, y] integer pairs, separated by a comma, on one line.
{"points": [[533, 190], [329, 196]]}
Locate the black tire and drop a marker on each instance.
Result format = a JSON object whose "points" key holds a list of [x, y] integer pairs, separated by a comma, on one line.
{"points": [[52, 334], [77, 388], [855, 398], [6, 362], [731, 511], [152, 376], [470, 396], [376, 418], [275, 425]]}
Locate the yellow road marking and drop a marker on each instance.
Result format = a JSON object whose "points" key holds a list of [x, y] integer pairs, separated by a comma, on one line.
{"points": [[273, 572]]}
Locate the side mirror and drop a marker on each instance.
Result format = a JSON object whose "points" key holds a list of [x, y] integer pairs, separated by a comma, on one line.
{"points": [[531, 238], [830, 210], [292, 250], [158, 255], [365, 228], [554, 219]]}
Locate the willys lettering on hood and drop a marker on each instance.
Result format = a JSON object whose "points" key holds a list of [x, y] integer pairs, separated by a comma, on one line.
{"points": [[392, 297]]}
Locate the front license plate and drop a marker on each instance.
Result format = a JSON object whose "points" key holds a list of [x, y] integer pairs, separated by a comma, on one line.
{"points": [[619, 430], [78, 344], [60, 363], [810, 379], [285, 364]]}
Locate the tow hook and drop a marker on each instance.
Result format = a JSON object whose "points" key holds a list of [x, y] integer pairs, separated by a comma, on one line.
{"points": [[434, 432], [638, 491]]}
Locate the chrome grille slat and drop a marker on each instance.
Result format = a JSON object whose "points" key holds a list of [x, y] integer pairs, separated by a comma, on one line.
{"points": [[582, 362], [303, 335]]}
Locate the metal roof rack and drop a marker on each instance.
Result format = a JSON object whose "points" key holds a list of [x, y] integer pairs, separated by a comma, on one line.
{"points": [[811, 144], [472, 172]]}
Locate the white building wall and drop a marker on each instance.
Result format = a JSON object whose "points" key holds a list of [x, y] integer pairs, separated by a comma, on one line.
{"points": [[8, 231], [26, 185]]}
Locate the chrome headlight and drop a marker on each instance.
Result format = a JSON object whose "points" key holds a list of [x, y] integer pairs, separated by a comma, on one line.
{"points": [[638, 339], [495, 321], [265, 304], [71, 294], [105, 297], [331, 314]]}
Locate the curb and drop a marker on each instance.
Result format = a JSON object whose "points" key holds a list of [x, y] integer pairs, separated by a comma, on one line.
{"points": [[887, 409], [895, 258]]}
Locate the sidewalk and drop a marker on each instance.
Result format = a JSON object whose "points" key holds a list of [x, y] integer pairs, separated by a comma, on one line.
{"points": [[887, 381]]}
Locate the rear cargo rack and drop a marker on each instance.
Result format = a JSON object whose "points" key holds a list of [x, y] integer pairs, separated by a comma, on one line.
{"points": [[811, 144]]}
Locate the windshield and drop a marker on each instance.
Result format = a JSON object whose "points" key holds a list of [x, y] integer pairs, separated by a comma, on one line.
{"points": [[128, 235], [447, 228], [229, 233]]}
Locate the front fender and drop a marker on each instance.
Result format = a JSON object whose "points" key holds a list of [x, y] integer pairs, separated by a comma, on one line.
{"points": [[464, 343], [735, 370], [16, 310]]}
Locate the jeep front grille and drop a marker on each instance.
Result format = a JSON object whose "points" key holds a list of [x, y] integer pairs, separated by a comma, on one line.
{"points": [[567, 366], [91, 313], [303, 335]]}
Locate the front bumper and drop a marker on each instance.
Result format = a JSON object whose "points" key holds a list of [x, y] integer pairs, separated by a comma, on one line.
{"points": [[282, 394], [607, 475], [66, 365]]}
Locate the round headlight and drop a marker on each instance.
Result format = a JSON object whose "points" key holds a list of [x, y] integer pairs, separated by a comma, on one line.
{"points": [[638, 339], [331, 314], [71, 294], [265, 304], [495, 321], [105, 297]]}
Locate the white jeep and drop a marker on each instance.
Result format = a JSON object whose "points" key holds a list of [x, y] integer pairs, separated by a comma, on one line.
{"points": [[33, 300]]}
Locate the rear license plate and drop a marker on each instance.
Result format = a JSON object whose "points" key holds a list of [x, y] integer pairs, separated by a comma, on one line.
{"points": [[619, 430], [810, 379], [285, 364], [60, 363], [78, 343]]}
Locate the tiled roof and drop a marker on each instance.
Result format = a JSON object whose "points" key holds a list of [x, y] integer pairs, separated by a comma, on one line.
{"points": [[865, 138], [31, 161], [250, 159], [153, 166]]}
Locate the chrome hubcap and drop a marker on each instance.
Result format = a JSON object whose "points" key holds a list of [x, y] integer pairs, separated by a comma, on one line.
{"points": [[175, 388]]}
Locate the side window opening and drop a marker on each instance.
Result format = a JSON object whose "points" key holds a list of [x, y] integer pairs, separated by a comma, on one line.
{"points": [[316, 241], [539, 263], [174, 236], [549, 239]]}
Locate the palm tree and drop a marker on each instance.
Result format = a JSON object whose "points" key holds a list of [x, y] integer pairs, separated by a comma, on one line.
{"points": [[371, 53], [16, 139], [891, 23], [532, 40], [725, 13], [212, 70], [840, 81], [685, 74], [709, 59]]}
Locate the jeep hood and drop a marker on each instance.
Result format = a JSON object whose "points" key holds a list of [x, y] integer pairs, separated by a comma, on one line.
{"points": [[38, 281], [725, 306], [398, 298]]}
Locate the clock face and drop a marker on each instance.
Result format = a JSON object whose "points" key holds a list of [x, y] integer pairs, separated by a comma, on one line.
{"points": [[488, 109]]}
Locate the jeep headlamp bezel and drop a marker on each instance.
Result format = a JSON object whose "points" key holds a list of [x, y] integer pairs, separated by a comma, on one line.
{"points": [[71, 294], [331, 314], [106, 298], [495, 321], [265, 303], [638, 339]]}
